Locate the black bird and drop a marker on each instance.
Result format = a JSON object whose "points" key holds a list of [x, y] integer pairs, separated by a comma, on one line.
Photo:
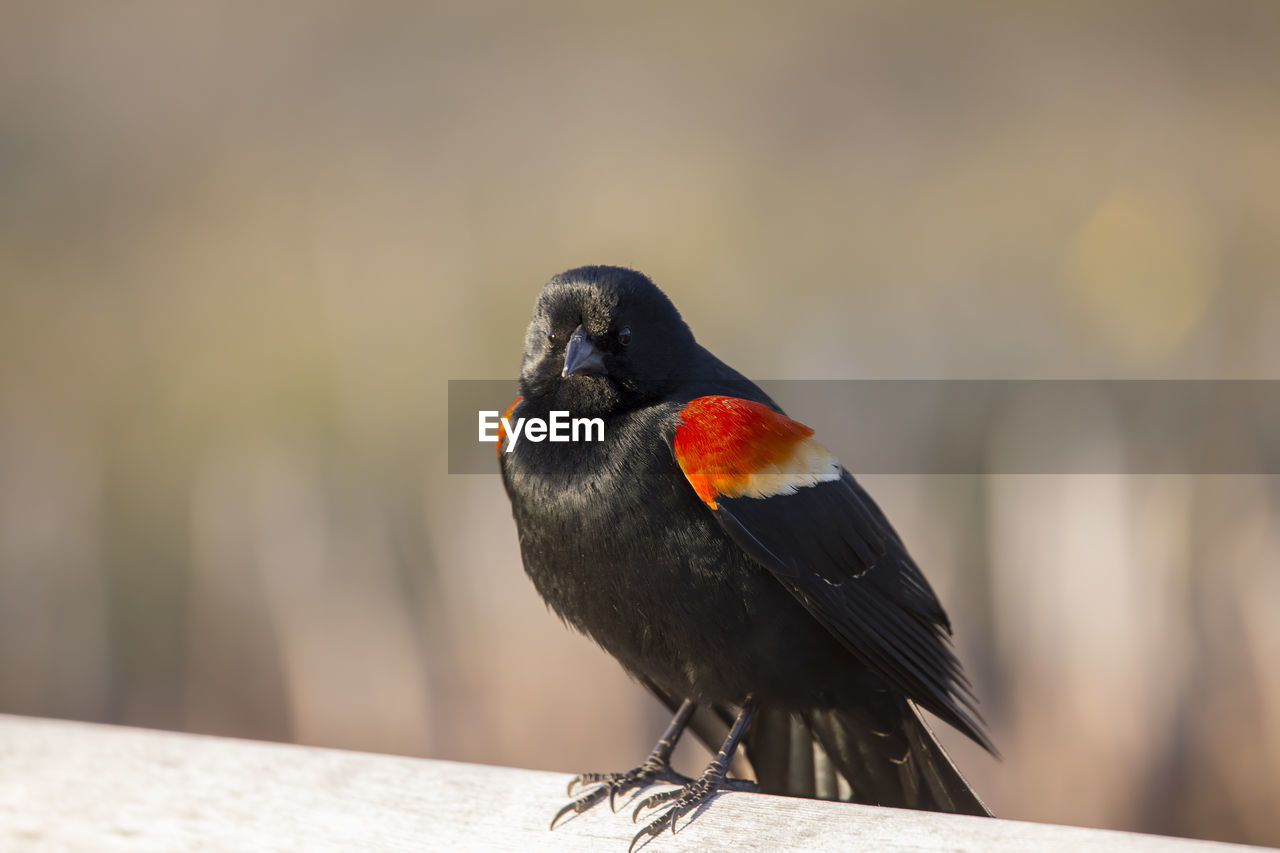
{"points": [[728, 562]]}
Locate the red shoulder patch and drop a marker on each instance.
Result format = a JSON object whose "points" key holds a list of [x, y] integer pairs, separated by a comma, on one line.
{"points": [[502, 432], [731, 447]]}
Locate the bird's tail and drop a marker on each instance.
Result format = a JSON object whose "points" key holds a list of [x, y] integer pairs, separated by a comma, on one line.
{"points": [[903, 767], [881, 753]]}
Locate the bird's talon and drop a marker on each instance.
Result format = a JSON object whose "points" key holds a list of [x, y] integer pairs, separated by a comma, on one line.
{"points": [[579, 805], [563, 811], [611, 785], [652, 830], [582, 780], [654, 800]]}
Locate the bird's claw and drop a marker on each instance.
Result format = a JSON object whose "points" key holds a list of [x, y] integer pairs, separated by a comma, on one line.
{"points": [[688, 799], [613, 784], [654, 800]]}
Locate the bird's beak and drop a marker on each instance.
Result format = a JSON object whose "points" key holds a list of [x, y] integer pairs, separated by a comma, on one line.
{"points": [[581, 356]]}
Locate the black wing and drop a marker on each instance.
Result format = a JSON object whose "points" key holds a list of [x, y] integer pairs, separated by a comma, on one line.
{"points": [[831, 546]]}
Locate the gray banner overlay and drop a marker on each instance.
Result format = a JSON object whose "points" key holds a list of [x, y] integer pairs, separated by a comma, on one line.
{"points": [[989, 426]]}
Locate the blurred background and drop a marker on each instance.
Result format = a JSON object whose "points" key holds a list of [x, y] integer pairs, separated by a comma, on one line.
{"points": [[244, 246]]}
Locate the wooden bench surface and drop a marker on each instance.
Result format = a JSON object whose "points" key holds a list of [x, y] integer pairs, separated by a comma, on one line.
{"points": [[83, 786]]}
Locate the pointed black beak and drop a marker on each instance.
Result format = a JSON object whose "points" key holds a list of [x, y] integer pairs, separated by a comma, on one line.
{"points": [[581, 356]]}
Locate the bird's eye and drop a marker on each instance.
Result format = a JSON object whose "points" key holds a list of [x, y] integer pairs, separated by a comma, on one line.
{"points": [[624, 336], [551, 337]]}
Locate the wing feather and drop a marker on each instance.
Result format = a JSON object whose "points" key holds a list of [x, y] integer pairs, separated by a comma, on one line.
{"points": [[829, 544]]}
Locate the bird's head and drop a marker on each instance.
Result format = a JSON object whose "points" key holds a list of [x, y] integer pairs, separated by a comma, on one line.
{"points": [[603, 340]]}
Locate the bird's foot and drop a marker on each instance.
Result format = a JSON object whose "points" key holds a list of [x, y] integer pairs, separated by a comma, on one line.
{"points": [[688, 799], [610, 785]]}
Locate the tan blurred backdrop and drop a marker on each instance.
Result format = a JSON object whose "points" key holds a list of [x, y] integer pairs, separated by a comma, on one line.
{"points": [[243, 246]]}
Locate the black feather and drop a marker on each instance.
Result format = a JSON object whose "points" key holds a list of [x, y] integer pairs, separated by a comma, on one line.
{"points": [[806, 605]]}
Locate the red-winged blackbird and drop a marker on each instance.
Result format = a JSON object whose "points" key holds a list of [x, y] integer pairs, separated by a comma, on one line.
{"points": [[728, 562]]}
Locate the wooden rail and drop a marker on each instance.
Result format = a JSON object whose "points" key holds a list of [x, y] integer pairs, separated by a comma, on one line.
{"points": [[82, 786]]}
